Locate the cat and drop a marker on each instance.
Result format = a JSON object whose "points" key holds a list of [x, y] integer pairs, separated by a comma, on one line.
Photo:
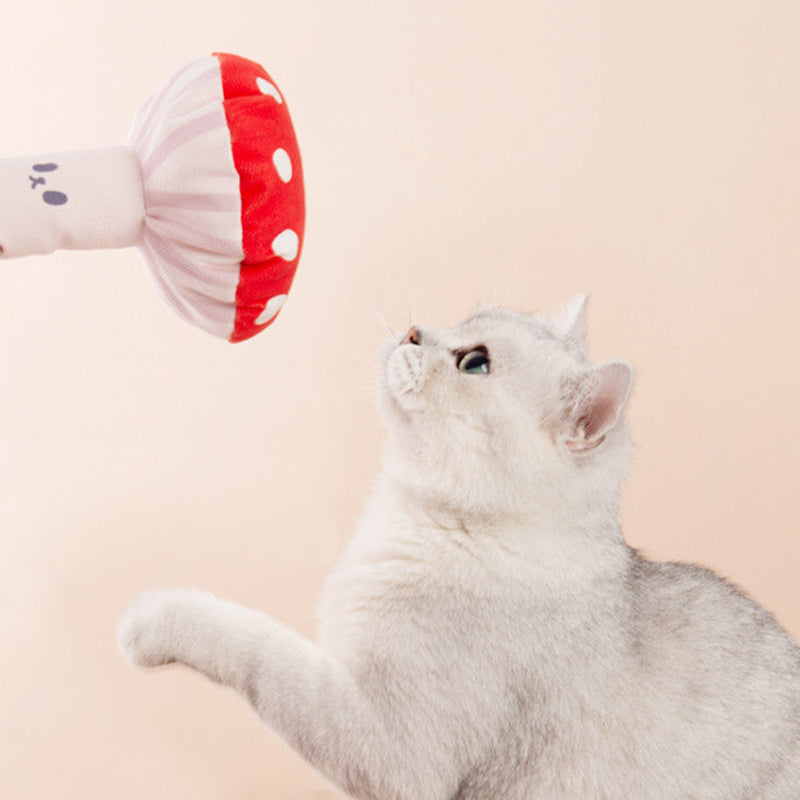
{"points": [[488, 634]]}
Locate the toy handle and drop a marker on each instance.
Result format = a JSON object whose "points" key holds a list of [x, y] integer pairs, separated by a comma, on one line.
{"points": [[77, 200]]}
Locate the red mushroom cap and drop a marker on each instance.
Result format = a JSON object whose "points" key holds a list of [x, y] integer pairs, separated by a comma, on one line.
{"points": [[267, 159], [223, 195]]}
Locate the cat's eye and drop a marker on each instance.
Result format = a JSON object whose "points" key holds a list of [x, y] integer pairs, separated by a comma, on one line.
{"points": [[475, 362]]}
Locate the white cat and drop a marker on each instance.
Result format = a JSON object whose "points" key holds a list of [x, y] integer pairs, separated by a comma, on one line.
{"points": [[488, 635]]}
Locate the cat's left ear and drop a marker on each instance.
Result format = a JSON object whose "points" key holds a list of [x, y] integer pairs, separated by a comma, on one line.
{"points": [[569, 322], [596, 405]]}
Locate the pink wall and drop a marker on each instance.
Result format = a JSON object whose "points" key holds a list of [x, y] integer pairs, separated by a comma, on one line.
{"points": [[455, 153]]}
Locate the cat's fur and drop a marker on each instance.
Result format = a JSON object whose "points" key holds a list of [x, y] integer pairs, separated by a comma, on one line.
{"points": [[488, 635]]}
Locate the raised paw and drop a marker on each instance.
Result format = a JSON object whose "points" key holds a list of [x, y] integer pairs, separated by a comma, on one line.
{"points": [[144, 633]]}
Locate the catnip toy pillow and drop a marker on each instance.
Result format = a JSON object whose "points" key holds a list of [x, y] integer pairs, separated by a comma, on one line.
{"points": [[209, 187]]}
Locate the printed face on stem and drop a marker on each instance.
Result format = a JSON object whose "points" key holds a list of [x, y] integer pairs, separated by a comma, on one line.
{"points": [[53, 198]]}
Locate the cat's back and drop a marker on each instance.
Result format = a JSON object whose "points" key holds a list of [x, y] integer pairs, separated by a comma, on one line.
{"points": [[685, 615], [718, 675]]}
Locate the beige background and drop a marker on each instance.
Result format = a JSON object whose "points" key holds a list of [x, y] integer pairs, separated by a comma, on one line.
{"points": [[456, 152]]}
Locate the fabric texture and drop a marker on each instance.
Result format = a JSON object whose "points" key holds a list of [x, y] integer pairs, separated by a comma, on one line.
{"points": [[267, 159], [223, 195], [74, 200]]}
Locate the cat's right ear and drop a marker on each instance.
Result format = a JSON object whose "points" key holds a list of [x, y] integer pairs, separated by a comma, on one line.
{"points": [[569, 322], [595, 405]]}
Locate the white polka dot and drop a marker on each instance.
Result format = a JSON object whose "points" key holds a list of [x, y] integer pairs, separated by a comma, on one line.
{"points": [[282, 162], [269, 89], [286, 244], [271, 309]]}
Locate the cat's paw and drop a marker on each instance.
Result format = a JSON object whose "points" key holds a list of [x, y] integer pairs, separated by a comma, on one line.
{"points": [[143, 633]]}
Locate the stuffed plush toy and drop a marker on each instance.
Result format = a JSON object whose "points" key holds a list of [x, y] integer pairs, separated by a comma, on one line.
{"points": [[209, 187]]}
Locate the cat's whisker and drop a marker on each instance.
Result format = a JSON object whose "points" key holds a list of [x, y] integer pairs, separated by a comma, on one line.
{"points": [[503, 303], [366, 388], [382, 320], [368, 392], [480, 299], [409, 314], [361, 359], [365, 375], [368, 385]]}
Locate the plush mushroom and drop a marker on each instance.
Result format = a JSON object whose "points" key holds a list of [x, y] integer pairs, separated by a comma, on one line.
{"points": [[209, 187]]}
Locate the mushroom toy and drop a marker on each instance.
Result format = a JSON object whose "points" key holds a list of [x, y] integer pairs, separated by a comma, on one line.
{"points": [[209, 188]]}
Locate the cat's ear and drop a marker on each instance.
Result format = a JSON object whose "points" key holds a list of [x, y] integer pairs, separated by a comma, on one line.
{"points": [[596, 405], [569, 322]]}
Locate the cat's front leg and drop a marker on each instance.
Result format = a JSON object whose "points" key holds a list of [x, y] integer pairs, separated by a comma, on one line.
{"points": [[193, 628], [312, 701]]}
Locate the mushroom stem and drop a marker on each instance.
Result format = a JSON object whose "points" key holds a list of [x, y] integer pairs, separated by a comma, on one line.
{"points": [[77, 200]]}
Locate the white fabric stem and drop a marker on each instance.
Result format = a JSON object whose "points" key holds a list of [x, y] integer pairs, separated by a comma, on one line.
{"points": [[78, 200]]}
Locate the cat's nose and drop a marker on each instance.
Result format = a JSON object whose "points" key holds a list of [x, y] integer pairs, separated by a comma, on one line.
{"points": [[411, 337]]}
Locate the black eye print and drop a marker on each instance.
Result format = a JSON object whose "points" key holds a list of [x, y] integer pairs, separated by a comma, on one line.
{"points": [[55, 198], [51, 198]]}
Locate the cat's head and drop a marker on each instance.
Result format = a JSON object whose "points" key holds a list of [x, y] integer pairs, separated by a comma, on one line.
{"points": [[505, 412]]}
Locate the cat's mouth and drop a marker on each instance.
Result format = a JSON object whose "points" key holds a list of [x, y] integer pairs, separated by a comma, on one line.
{"points": [[404, 375]]}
